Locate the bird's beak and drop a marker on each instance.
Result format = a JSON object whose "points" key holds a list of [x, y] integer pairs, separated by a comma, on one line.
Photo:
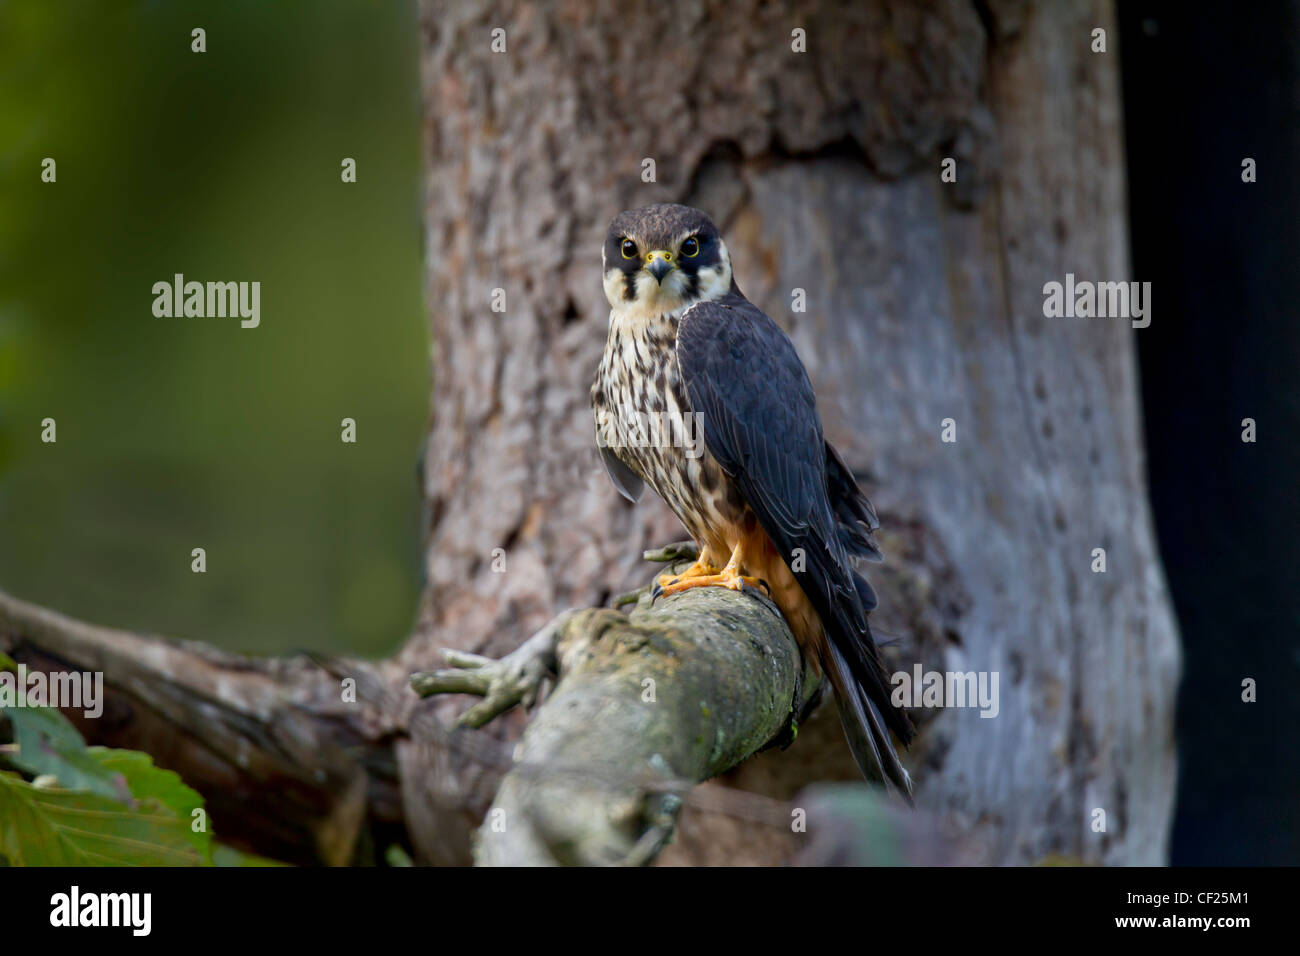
{"points": [[659, 264]]}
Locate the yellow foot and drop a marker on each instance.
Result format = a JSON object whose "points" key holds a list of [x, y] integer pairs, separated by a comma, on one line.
{"points": [[699, 569], [730, 578]]}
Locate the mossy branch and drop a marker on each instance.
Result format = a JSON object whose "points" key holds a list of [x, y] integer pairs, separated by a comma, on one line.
{"points": [[645, 705]]}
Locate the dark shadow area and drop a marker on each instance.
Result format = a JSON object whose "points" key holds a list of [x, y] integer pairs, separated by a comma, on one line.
{"points": [[1204, 88]]}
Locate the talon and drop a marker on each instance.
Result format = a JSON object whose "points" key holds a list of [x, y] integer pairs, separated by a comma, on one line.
{"points": [[730, 578], [737, 582], [699, 569], [701, 575]]}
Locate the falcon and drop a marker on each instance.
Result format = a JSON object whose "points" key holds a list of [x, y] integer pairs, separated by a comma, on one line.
{"points": [[769, 501]]}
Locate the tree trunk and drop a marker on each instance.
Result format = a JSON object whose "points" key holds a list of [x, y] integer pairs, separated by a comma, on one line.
{"points": [[924, 302]]}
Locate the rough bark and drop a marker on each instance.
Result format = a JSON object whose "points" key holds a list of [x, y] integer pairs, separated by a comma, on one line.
{"points": [[924, 303], [647, 705]]}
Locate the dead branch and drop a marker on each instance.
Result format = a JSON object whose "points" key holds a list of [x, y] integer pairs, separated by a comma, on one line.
{"points": [[646, 705], [288, 766]]}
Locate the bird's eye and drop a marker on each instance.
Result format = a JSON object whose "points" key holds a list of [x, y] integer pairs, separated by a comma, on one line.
{"points": [[691, 247], [629, 249]]}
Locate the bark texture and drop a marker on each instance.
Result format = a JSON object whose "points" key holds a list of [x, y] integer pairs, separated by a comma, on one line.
{"points": [[924, 302], [647, 706]]}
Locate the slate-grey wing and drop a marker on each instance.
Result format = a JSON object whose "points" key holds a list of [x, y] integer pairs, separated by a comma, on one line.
{"points": [[627, 481], [760, 421]]}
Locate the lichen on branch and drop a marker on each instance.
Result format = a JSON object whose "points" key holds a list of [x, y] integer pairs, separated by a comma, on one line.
{"points": [[645, 705]]}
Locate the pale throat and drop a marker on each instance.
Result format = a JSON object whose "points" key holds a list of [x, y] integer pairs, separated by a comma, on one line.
{"points": [[656, 301]]}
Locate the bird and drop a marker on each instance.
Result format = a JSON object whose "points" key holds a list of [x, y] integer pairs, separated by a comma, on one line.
{"points": [[702, 396]]}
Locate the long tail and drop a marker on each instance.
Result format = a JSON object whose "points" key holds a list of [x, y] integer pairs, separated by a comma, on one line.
{"points": [[861, 685], [852, 659], [864, 728]]}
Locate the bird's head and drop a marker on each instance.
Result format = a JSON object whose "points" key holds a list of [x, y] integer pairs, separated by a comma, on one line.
{"points": [[661, 258]]}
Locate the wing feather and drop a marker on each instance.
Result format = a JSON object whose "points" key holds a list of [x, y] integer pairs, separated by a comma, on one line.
{"points": [[627, 481], [759, 412]]}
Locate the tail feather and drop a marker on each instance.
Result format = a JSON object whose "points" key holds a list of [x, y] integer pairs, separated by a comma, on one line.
{"points": [[861, 686], [825, 542], [864, 726]]}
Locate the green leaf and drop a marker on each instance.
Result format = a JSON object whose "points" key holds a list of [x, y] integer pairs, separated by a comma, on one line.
{"points": [[223, 854], [7, 663], [395, 855], [149, 784], [56, 827], [48, 744]]}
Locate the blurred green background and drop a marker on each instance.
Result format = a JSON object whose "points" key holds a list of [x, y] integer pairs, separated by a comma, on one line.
{"points": [[177, 433]]}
